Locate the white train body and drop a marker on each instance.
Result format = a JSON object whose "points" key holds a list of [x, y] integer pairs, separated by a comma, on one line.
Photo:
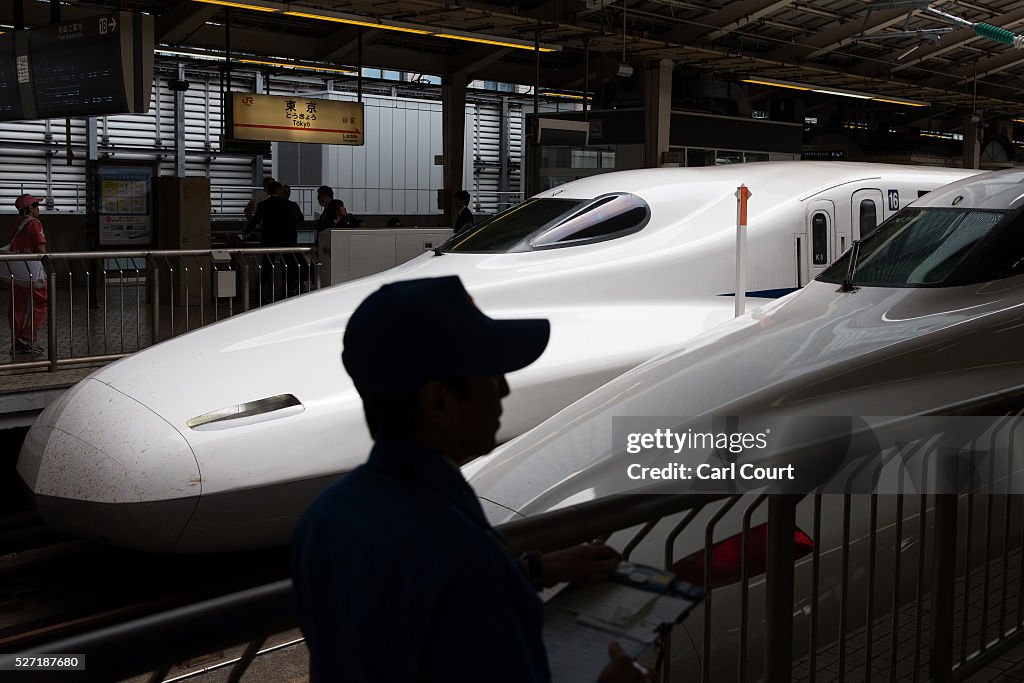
{"points": [[165, 450]]}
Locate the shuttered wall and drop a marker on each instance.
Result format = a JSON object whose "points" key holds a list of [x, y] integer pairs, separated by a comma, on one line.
{"points": [[497, 156], [393, 173], [33, 154]]}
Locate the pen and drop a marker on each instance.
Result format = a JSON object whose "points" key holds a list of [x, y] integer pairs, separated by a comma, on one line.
{"points": [[641, 668]]}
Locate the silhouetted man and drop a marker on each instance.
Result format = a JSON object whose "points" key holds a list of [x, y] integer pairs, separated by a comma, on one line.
{"points": [[398, 574]]}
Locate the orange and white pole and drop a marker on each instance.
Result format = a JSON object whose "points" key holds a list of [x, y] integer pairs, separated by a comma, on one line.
{"points": [[742, 195]]}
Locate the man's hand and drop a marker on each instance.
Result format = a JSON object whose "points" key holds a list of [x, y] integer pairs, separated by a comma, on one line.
{"points": [[622, 668], [579, 562]]}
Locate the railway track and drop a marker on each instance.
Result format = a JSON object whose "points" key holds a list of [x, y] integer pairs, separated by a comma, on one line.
{"points": [[72, 586]]}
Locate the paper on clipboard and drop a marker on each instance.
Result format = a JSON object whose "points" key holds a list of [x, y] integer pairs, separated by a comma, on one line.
{"points": [[579, 625]]}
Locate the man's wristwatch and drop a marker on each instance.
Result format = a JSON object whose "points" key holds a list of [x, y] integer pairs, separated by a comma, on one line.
{"points": [[534, 569]]}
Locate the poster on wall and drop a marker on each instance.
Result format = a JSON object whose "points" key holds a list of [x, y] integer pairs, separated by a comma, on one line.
{"points": [[124, 204]]}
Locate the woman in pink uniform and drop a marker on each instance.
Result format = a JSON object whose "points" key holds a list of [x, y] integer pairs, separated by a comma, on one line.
{"points": [[28, 306]]}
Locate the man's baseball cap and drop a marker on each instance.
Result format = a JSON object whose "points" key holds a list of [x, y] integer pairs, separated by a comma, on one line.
{"points": [[26, 200], [410, 332]]}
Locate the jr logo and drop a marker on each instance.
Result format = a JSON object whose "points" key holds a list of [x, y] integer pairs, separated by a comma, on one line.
{"points": [[894, 200]]}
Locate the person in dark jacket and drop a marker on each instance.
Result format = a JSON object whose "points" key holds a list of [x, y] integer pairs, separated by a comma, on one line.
{"points": [[398, 574], [279, 273], [324, 197], [277, 217]]}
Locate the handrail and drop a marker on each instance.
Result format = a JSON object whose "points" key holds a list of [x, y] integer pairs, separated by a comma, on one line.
{"points": [[586, 521], [154, 252], [124, 650], [134, 285]]}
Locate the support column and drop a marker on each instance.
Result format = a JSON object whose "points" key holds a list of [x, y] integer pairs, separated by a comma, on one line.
{"points": [[92, 142], [257, 160], [179, 127], [92, 154], [972, 141], [453, 123], [504, 135], [657, 110]]}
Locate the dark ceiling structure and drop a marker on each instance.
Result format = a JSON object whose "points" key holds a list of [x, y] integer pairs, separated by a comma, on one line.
{"points": [[896, 50]]}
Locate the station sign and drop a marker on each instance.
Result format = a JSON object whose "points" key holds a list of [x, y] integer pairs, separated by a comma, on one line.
{"points": [[291, 118]]}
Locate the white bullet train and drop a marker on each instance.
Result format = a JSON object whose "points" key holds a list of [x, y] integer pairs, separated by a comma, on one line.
{"points": [[219, 439]]}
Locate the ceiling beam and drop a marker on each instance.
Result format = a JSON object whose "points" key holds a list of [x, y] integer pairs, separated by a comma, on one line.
{"points": [[474, 59], [343, 44], [182, 20], [833, 38], [733, 16], [982, 68]]}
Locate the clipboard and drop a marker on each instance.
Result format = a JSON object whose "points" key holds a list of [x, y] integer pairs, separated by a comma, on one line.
{"points": [[635, 607]]}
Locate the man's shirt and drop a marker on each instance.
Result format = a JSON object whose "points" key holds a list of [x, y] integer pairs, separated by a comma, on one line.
{"points": [[399, 577]]}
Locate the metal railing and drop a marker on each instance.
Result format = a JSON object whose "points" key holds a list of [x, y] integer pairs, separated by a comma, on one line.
{"points": [[826, 615], [104, 305]]}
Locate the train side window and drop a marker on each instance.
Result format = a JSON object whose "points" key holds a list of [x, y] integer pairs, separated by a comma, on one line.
{"points": [[868, 217], [606, 218], [819, 239]]}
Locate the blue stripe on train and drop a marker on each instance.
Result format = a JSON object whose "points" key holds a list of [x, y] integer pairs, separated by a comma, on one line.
{"points": [[767, 293]]}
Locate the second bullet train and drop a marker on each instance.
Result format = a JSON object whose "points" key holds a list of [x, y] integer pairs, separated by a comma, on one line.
{"points": [[928, 316], [219, 439]]}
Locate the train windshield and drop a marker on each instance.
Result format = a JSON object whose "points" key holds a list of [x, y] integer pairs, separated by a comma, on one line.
{"points": [[923, 247], [538, 224]]}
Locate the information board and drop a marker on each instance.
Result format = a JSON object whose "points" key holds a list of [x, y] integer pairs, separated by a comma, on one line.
{"points": [[124, 204], [10, 97], [89, 67], [292, 118]]}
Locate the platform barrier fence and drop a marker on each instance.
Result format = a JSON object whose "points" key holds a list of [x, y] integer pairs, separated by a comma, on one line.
{"points": [[101, 306]]}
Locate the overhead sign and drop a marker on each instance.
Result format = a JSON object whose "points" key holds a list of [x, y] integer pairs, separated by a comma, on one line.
{"points": [[296, 119], [89, 67]]}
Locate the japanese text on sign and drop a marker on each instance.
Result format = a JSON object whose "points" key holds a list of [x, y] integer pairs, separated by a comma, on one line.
{"points": [[297, 119]]}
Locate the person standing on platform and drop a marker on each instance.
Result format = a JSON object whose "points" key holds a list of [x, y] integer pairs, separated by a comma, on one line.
{"points": [[286, 192], [276, 215], [397, 572], [463, 216], [258, 197], [324, 197], [28, 301], [280, 229]]}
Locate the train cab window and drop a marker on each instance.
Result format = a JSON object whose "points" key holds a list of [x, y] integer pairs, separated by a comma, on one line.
{"points": [[538, 224], [606, 218], [868, 217], [917, 247], [819, 239], [508, 230]]}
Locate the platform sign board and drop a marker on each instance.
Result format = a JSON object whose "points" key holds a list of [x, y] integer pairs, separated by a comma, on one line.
{"points": [[88, 67], [292, 118], [124, 204]]}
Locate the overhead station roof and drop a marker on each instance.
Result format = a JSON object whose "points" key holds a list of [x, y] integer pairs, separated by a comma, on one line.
{"points": [[873, 48]]}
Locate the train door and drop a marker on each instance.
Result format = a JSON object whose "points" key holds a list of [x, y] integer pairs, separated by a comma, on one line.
{"points": [[867, 212], [816, 246]]}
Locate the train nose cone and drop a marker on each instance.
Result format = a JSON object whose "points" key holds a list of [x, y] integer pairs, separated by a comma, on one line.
{"points": [[92, 476]]}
